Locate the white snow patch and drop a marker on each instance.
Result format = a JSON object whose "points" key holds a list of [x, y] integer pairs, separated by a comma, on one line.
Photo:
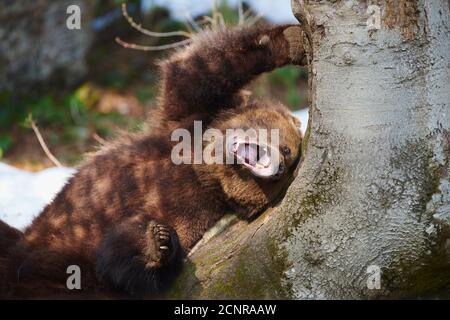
{"points": [[276, 11], [24, 194], [303, 116]]}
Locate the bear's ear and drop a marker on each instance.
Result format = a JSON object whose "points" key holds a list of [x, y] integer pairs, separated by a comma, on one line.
{"points": [[264, 40]]}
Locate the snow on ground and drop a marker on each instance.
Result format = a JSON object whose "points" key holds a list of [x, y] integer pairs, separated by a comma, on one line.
{"points": [[302, 115], [24, 194], [278, 11]]}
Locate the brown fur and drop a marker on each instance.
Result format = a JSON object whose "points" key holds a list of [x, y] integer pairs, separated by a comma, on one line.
{"points": [[104, 218]]}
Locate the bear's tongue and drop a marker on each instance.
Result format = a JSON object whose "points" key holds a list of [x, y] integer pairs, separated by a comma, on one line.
{"points": [[256, 157], [248, 152]]}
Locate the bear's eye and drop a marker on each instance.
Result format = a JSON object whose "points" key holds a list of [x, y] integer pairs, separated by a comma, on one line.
{"points": [[286, 151]]}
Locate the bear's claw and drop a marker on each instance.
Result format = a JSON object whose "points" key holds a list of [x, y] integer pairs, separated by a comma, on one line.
{"points": [[159, 245]]}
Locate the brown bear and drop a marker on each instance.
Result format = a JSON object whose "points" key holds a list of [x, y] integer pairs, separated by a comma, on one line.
{"points": [[130, 214]]}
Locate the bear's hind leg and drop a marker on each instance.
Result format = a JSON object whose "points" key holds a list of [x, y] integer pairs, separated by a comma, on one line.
{"points": [[139, 256]]}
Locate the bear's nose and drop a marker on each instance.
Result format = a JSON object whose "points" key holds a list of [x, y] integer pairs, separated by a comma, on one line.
{"points": [[281, 169]]}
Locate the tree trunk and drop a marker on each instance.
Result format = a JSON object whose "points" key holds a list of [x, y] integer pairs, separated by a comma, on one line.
{"points": [[373, 189]]}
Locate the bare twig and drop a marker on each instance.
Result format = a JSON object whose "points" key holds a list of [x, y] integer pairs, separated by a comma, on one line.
{"points": [[254, 20], [139, 27], [191, 22], [216, 20], [207, 20], [221, 19], [99, 139], [152, 48], [44, 145], [247, 14], [241, 13], [217, 17]]}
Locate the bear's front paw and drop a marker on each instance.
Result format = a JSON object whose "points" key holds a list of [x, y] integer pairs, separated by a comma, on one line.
{"points": [[295, 38], [285, 43], [160, 246]]}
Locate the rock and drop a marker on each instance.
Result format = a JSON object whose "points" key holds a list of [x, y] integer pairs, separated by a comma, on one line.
{"points": [[37, 48]]}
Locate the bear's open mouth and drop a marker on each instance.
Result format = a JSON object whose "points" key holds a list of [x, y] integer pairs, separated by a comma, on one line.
{"points": [[252, 154], [256, 157]]}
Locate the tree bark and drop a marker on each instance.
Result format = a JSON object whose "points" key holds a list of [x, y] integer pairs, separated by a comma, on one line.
{"points": [[373, 187]]}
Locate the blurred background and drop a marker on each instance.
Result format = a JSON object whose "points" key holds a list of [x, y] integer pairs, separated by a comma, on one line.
{"points": [[69, 90]]}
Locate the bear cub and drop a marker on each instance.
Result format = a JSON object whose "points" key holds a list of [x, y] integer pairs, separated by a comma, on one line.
{"points": [[130, 214]]}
